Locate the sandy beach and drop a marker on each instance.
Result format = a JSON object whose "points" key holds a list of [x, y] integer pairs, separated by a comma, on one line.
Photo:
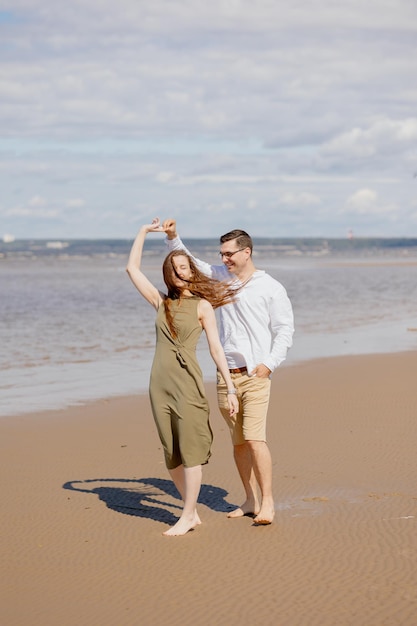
{"points": [[85, 497]]}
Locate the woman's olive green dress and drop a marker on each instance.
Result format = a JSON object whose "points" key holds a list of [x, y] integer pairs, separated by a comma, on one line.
{"points": [[176, 389]]}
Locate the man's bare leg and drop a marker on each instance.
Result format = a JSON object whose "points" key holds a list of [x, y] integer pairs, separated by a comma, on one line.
{"points": [[243, 460], [262, 467], [189, 481]]}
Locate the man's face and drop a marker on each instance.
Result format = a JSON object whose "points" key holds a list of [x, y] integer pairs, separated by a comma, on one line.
{"points": [[233, 257]]}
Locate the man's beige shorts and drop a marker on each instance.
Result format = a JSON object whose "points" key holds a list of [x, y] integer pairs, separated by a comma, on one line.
{"points": [[253, 395]]}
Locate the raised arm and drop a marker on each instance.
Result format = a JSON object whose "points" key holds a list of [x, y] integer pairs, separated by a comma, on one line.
{"points": [[174, 242], [138, 278], [208, 322]]}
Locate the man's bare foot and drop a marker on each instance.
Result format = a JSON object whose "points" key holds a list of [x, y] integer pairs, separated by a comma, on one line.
{"points": [[265, 516], [182, 526], [247, 508]]}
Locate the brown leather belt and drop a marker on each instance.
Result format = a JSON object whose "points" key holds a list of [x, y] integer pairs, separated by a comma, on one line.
{"points": [[238, 370]]}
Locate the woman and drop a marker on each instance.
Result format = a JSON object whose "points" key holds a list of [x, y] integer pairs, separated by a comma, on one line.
{"points": [[176, 389]]}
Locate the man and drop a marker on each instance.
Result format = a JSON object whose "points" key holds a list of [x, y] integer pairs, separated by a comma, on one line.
{"points": [[256, 332]]}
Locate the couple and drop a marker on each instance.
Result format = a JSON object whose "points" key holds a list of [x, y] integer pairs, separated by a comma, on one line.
{"points": [[256, 328]]}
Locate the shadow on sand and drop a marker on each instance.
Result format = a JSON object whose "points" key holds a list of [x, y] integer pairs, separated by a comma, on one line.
{"points": [[147, 497]]}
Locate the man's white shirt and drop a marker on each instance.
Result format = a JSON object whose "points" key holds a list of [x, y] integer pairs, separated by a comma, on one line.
{"points": [[257, 327]]}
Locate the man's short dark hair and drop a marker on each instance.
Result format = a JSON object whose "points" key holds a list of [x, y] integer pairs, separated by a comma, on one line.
{"points": [[243, 240]]}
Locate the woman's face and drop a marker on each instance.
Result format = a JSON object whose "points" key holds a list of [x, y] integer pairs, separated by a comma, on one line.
{"points": [[183, 270]]}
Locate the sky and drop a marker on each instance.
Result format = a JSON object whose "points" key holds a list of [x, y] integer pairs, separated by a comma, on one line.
{"points": [[285, 119]]}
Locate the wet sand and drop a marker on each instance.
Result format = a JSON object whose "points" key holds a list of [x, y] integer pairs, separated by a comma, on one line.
{"points": [[86, 497]]}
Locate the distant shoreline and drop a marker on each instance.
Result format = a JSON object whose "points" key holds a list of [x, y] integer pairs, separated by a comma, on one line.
{"points": [[264, 246]]}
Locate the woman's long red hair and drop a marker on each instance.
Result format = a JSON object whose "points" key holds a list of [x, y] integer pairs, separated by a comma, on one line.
{"points": [[217, 292]]}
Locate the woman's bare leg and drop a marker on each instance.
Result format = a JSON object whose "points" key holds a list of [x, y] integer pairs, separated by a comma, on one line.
{"points": [[188, 482]]}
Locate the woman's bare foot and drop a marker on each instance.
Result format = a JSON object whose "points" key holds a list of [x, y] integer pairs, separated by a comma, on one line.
{"points": [[183, 525]]}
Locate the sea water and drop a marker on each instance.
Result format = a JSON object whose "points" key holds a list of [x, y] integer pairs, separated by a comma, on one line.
{"points": [[74, 329]]}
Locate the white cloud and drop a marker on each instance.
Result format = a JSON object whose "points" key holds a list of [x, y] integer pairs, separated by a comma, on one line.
{"points": [[291, 198], [381, 136], [220, 207], [37, 201], [165, 177], [237, 105], [75, 203], [36, 207], [366, 202], [37, 213]]}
